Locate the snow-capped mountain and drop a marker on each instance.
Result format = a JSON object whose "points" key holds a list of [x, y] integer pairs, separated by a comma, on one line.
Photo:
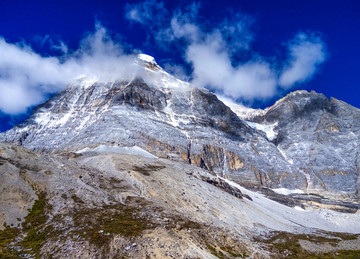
{"points": [[152, 167], [298, 143]]}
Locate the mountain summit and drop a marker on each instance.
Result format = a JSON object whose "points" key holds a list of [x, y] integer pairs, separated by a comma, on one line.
{"points": [[311, 147], [153, 141]]}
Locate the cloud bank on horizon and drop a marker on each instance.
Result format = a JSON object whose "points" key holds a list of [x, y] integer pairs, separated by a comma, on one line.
{"points": [[27, 78]]}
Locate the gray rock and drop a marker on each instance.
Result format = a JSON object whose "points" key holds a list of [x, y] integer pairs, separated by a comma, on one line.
{"points": [[316, 148]]}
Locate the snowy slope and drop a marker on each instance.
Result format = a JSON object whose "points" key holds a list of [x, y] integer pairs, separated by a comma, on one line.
{"points": [[263, 208]]}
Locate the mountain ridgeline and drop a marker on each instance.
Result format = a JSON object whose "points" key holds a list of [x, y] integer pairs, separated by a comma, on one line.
{"points": [[152, 167], [316, 147]]}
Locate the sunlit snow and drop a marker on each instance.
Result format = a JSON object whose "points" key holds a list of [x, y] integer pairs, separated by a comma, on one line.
{"points": [[324, 219], [146, 58], [135, 150], [268, 129], [285, 191]]}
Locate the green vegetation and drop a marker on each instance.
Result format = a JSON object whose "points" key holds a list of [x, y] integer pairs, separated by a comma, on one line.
{"points": [[76, 199], [126, 223], [213, 251], [34, 225], [188, 224], [36, 217], [98, 225], [7, 236], [343, 254], [287, 245], [231, 252]]}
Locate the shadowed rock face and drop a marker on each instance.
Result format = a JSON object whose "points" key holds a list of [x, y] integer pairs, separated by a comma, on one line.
{"points": [[316, 148], [320, 136], [299, 104], [138, 94]]}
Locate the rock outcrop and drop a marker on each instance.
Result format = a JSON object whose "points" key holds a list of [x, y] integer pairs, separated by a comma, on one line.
{"points": [[320, 136]]}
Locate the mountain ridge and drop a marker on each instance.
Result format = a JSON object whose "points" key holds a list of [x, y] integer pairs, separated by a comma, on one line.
{"points": [[152, 167], [172, 119]]}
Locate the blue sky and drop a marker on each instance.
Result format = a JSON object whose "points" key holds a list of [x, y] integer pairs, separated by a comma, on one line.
{"points": [[251, 51]]}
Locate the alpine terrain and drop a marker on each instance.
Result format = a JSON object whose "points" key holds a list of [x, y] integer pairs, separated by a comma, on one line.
{"points": [[151, 167]]}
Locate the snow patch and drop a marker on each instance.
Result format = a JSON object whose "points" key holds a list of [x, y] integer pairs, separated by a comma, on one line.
{"points": [[262, 208], [135, 150], [268, 129], [285, 191], [64, 119], [42, 118], [85, 81], [244, 113], [286, 158], [146, 58]]}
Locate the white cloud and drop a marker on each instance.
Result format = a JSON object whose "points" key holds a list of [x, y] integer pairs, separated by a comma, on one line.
{"points": [[306, 54], [60, 46], [26, 78], [149, 11], [212, 68], [212, 50], [182, 24], [181, 29], [15, 98], [236, 32], [176, 70], [210, 54]]}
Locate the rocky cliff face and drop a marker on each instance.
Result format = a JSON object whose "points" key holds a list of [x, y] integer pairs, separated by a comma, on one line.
{"points": [[163, 160], [315, 148], [321, 137]]}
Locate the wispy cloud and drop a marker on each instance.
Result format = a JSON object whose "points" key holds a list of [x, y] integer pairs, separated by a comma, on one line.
{"points": [[213, 53], [213, 68], [177, 70], [146, 12], [307, 52], [27, 78]]}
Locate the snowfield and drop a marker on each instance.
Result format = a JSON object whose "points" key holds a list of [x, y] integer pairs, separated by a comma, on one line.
{"points": [[135, 150], [323, 219]]}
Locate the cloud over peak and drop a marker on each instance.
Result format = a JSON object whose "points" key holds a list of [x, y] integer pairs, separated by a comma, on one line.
{"points": [[27, 78], [218, 54], [213, 51]]}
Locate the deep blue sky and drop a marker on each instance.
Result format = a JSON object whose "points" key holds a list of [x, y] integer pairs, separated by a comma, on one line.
{"points": [[274, 22]]}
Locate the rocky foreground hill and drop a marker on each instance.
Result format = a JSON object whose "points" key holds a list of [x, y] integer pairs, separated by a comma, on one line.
{"points": [[152, 167]]}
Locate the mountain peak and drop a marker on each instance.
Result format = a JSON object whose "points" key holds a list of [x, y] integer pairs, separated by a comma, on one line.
{"points": [[171, 119], [146, 58], [147, 61]]}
